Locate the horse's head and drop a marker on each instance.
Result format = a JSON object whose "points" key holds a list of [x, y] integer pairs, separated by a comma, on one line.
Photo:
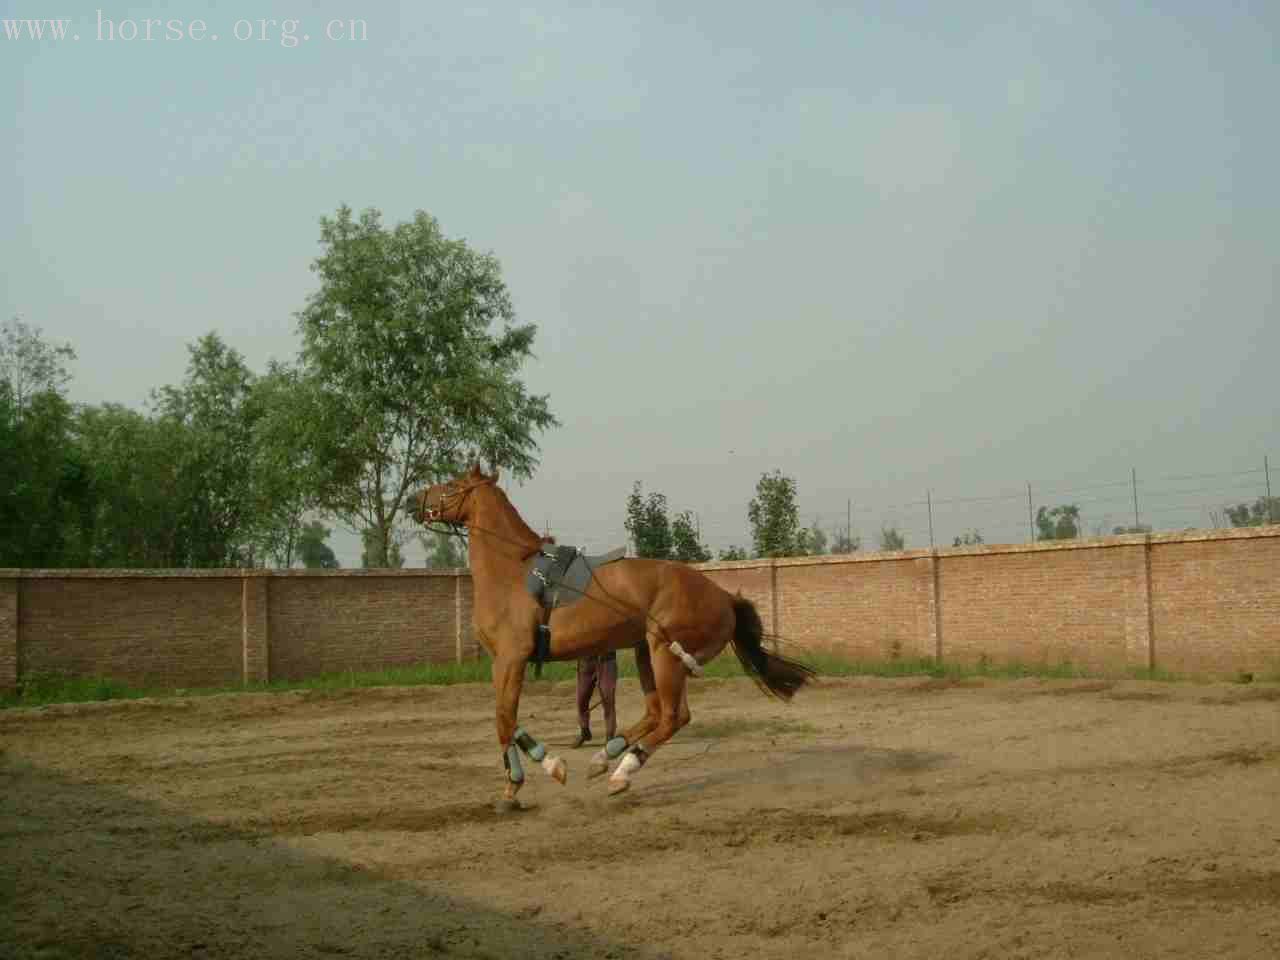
{"points": [[452, 502]]}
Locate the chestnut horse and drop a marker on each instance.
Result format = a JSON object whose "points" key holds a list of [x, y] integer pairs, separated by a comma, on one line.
{"points": [[674, 616]]}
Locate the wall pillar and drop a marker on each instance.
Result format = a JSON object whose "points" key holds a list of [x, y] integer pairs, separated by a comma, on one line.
{"points": [[1151, 613], [457, 617], [8, 634], [935, 606], [775, 627], [253, 627], [1139, 617]]}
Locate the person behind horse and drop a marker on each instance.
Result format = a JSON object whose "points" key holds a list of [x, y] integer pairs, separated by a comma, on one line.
{"points": [[597, 670]]}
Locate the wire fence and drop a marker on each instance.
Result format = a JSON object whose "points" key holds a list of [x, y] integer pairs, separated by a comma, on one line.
{"points": [[938, 517]]}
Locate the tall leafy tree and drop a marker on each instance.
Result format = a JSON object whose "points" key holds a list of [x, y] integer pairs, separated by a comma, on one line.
{"points": [[648, 525], [1058, 523], [444, 552], [30, 365], [44, 484], [412, 353], [283, 472], [812, 541], [377, 553], [685, 545], [891, 539], [313, 551], [212, 411], [844, 542], [775, 517], [136, 468], [1262, 511]]}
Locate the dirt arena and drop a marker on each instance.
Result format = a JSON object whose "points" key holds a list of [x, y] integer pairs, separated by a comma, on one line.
{"points": [[871, 818]]}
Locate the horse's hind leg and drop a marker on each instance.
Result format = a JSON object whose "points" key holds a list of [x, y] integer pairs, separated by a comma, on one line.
{"points": [[670, 683], [615, 747]]}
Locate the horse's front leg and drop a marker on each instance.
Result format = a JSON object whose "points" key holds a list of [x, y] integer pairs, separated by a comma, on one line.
{"points": [[508, 680]]}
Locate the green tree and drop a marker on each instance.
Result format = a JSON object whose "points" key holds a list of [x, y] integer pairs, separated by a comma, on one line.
{"points": [[408, 378], [970, 539], [1059, 523], [812, 541], [775, 517], [843, 542], [30, 365], [1262, 511], [136, 498], [891, 539], [377, 553], [734, 553], [45, 494], [685, 544], [444, 551], [647, 524], [283, 473], [44, 485], [313, 551], [212, 413]]}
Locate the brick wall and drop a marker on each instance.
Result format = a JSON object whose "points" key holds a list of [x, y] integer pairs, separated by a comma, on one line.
{"points": [[8, 633], [1205, 603], [167, 630], [873, 607], [1084, 605], [359, 620], [1214, 603], [1200, 603]]}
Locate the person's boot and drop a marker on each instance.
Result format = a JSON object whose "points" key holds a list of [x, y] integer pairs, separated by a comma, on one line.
{"points": [[584, 736]]}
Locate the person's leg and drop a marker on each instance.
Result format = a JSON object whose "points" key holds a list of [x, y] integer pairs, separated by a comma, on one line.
{"points": [[608, 679], [587, 669]]}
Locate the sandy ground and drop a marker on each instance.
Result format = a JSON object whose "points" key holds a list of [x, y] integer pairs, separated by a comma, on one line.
{"points": [[910, 818]]}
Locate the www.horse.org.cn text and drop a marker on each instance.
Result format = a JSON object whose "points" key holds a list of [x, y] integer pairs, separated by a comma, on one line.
{"points": [[285, 31]]}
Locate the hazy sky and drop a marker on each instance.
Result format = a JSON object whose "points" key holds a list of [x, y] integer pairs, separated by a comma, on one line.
{"points": [[883, 247]]}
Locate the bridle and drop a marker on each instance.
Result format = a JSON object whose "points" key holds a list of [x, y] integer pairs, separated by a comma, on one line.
{"points": [[450, 493]]}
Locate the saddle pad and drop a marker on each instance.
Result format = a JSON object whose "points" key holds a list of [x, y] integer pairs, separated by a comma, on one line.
{"points": [[562, 576]]}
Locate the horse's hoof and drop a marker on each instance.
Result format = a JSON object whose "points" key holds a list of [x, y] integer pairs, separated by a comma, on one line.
{"points": [[558, 769], [618, 786], [597, 769]]}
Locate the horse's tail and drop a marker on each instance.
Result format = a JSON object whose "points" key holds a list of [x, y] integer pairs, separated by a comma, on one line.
{"points": [[775, 675]]}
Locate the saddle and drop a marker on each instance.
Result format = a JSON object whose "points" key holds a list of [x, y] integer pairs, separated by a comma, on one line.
{"points": [[561, 576], [557, 578]]}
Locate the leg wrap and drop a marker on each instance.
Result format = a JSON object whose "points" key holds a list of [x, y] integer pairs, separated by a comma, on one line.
{"points": [[631, 761], [690, 663], [615, 747], [530, 746], [511, 760]]}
